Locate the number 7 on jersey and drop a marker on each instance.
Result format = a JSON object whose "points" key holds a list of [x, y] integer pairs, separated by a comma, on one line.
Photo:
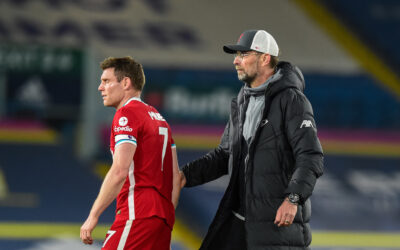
{"points": [[163, 131]]}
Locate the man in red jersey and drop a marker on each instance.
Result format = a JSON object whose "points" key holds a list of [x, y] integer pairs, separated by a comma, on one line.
{"points": [[144, 176]]}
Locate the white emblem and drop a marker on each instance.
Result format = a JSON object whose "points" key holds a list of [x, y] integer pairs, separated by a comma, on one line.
{"points": [[307, 124], [123, 121]]}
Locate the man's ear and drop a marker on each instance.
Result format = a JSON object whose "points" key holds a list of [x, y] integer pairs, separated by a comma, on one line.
{"points": [[127, 83], [266, 58]]}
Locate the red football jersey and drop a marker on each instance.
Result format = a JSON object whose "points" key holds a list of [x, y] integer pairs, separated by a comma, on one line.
{"points": [[147, 190]]}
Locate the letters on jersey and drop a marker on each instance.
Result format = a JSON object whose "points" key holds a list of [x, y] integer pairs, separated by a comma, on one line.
{"points": [[156, 116]]}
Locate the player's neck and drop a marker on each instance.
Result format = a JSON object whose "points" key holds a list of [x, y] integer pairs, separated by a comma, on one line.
{"points": [[127, 98]]}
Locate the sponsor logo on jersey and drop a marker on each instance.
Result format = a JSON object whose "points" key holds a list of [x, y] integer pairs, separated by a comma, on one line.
{"points": [[123, 121], [156, 116], [307, 124], [119, 129]]}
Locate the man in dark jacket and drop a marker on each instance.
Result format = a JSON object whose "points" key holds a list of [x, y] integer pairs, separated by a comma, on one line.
{"points": [[271, 147]]}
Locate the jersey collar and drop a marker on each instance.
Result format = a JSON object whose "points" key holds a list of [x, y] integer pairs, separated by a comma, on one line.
{"points": [[132, 99]]}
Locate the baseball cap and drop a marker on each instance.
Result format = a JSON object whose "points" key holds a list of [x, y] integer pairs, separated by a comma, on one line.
{"points": [[257, 40]]}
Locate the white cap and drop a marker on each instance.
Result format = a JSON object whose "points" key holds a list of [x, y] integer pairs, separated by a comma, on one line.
{"points": [[257, 40]]}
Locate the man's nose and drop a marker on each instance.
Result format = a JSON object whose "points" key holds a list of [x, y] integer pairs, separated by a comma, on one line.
{"points": [[236, 60]]}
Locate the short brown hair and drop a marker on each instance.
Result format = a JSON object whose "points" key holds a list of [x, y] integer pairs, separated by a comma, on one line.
{"points": [[126, 67]]}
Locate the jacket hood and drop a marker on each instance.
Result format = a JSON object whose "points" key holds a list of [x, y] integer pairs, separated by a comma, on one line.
{"points": [[291, 78]]}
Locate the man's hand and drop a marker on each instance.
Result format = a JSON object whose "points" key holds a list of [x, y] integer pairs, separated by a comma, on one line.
{"points": [[86, 230], [183, 179], [285, 214]]}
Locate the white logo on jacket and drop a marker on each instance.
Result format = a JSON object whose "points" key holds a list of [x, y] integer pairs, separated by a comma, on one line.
{"points": [[307, 124]]}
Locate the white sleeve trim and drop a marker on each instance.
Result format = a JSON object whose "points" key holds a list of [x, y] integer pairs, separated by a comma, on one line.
{"points": [[125, 141], [119, 139]]}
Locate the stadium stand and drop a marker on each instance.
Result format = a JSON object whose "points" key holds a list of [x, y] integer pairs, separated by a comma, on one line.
{"points": [[349, 54]]}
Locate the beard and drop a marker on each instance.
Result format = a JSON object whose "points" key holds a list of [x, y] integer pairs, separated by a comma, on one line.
{"points": [[246, 78]]}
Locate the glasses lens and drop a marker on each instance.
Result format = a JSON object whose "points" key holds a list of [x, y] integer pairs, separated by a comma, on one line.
{"points": [[242, 55]]}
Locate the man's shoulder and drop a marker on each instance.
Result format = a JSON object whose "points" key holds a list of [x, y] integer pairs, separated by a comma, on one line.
{"points": [[290, 94], [141, 111], [293, 100]]}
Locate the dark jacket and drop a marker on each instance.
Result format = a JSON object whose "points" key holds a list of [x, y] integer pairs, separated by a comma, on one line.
{"points": [[284, 157]]}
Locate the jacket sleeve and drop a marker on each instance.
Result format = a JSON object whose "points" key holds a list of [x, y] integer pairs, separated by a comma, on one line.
{"points": [[301, 132], [210, 166]]}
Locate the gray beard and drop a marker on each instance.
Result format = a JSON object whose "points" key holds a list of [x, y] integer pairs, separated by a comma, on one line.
{"points": [[247, 79]]}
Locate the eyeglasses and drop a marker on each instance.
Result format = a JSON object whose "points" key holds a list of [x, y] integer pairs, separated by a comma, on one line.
{"points": [[241, 55]]}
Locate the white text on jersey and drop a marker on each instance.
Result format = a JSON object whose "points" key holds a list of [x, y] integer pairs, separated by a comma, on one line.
{"points": [[118, 129], [156, 116]]}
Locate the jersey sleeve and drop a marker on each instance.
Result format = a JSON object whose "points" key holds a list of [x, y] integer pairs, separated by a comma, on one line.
{"points": [[126, 127]]}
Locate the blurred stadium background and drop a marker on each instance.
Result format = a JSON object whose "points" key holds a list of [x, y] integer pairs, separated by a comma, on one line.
{"points": [[54, 130]]}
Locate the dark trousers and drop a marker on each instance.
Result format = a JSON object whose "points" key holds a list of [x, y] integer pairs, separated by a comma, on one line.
{"points": [[232, 236]]}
